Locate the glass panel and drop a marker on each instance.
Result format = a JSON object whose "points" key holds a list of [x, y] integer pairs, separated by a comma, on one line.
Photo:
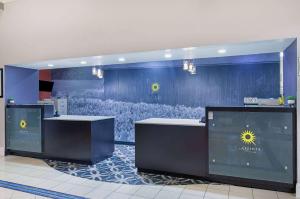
{"points": [[254, 145], [23, 129]]}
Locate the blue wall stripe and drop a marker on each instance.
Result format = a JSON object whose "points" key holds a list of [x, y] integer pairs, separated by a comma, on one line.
{"points": [[290, 70], [37, 191], [21, 84]]}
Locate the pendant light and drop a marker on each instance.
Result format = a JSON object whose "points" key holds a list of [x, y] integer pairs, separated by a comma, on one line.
{"points": [[100, 73], [191, 67], [94, 70], [185, 65]]}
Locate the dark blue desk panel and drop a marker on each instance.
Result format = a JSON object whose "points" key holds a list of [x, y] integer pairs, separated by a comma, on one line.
{"points": [[174, 149], [79, 141]]}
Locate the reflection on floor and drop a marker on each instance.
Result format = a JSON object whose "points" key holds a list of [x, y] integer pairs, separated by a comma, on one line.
{"points": [[119, 169], [37, 173]]}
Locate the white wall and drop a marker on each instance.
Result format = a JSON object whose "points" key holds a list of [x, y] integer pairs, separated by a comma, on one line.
{"points": [[34, 30]]}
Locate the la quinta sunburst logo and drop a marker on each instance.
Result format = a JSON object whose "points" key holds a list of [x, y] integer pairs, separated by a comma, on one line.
{"points": [[248, 137]]}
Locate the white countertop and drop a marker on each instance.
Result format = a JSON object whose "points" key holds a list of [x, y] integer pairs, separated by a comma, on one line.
{"points": [[167, 121], [79, 118]]}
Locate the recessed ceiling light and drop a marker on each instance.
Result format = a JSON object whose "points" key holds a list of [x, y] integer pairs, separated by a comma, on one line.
{"points": [[188, 48], [121, 59], [222, 51], [50, 65], [168, 55], [83, 62]]}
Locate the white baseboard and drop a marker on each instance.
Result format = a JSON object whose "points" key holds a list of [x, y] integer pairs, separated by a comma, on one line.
{"points": [[298, 190], [2, 151]]}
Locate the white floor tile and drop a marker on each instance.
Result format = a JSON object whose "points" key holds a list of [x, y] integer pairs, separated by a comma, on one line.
{"points": [[202, 187], [194, 192], [93, 183], [167, 194], [176, 189], [147, 192], [282, 195], [22, 195], [5, 193], [118, 196], [216, 194], [79, 190], [222, 187], [127, 189], [259, 193], [240, 195], [188, 196], [64, 187], [110, 186], [98, 193], [48, 184], [242, 190], [136, 197]]}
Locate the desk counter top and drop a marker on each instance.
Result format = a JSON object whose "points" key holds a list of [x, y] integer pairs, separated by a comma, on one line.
{"points": [[80, 118], [168, 121]]}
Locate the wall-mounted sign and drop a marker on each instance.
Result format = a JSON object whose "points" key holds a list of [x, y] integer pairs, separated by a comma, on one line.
{"points": [[155, 87]]}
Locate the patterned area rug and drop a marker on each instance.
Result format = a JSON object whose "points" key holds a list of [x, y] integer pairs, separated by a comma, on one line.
{"points": [[120, 168]]}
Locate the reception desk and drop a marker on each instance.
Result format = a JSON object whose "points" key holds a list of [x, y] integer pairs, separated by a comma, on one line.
{"points": [[252, 146], [244, 146], [176, 146], [86, 139], [31, 130]]}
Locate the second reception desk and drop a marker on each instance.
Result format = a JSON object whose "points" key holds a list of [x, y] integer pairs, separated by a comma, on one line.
{"points": [[171, 146]]}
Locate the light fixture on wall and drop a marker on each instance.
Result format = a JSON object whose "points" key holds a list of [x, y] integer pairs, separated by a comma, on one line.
{"points": [[189, 66], [100, 73], [97, 72], [185, 65], [94, 70], [193, 71]]}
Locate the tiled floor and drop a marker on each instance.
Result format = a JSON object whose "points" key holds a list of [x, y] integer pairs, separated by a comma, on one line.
{"points": [[36, 173]]}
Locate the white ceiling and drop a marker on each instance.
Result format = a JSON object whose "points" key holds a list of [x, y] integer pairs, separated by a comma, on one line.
{"points": [[6, 1], [269, 46]]}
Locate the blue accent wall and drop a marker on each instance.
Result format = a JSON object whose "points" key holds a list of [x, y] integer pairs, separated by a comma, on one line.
{"points": [[290, 70], [126, 90], [21, 84]]}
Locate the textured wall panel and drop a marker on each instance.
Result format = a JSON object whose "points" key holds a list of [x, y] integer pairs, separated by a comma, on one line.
{"points": [[126, 90]]}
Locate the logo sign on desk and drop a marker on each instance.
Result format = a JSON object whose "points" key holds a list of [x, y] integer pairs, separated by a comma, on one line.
{"points": [[23, 124], [248, 139]]}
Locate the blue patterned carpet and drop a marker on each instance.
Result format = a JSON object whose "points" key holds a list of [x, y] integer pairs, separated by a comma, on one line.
{"points": [[120, 168]]}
